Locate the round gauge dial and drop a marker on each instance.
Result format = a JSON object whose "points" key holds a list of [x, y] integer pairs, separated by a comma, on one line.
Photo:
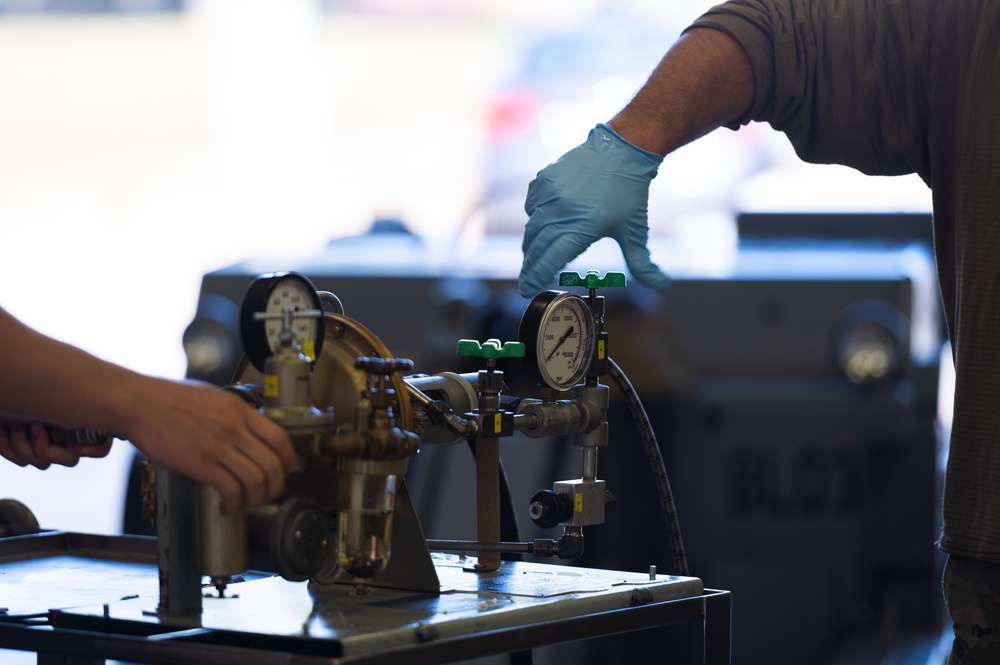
{"points": [[557, 330], [272, 293]]}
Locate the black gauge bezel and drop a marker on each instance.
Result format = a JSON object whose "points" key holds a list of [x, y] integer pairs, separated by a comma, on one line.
{"points": [[253, 333], [530, 328]]}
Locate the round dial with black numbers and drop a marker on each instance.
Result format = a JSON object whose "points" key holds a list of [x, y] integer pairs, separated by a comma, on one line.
{"points": [[272, 293], [558, 333]]}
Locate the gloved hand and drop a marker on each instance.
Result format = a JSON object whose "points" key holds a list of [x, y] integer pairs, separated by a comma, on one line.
{"points": [[596, 190]]}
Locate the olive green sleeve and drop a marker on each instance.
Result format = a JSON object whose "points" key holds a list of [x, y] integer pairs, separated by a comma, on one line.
{"points": [[845, 80]]}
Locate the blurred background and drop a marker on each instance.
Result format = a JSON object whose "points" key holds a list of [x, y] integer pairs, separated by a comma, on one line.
{"points": [[146, 143]]}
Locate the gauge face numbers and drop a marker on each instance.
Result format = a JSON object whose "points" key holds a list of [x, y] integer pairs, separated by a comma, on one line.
{"points": [[271, 294], [558, 333], [292, 293], [565, 339]]}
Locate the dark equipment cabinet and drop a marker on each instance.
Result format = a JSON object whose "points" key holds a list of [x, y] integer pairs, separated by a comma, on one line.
{"points": [[812, 499]]}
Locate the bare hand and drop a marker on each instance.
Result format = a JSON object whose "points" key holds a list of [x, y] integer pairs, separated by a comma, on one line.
{"points": [[214, 437]]}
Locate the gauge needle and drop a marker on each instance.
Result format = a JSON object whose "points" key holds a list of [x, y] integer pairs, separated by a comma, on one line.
{"points": [[560, 343]]}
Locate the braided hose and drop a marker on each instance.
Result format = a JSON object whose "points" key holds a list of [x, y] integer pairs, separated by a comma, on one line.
{"points": [[649, 442]]}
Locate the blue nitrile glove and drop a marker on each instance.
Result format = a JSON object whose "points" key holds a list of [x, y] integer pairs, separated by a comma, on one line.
{"points": [[596, 190]]}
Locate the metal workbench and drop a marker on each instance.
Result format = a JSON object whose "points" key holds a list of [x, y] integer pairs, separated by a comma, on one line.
{"points": [[78, 599]]}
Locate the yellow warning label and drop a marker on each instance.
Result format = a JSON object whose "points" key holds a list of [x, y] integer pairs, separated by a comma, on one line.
{"points": [[600, 349], [270, 385], [578, 503], [309, 349], [497, 423]]}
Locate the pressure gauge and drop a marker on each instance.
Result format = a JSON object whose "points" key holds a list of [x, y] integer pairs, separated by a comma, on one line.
{"points": [[271, 294], [558, 333]]}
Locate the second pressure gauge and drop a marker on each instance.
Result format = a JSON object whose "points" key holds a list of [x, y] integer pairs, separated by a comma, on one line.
{"points": [[558, 333], [272, 293]]}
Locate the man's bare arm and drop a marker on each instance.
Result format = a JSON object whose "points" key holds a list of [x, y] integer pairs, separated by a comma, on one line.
{"points": [[193, 428], [704, 82]]}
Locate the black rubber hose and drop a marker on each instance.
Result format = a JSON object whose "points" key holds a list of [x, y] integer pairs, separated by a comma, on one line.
{"points": [[649, 442]]}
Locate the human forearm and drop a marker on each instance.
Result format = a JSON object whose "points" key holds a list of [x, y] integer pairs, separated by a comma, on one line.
{"points": [[702, 83], [47, 380], [208, 434]]}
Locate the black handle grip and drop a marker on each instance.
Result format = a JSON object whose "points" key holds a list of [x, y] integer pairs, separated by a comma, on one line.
{"points": [[82, 436]]}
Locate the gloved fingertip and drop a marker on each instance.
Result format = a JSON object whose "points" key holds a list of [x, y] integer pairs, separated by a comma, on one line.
{"points": [[640, 264], [527, 286], [654, 280], [647, 272]]}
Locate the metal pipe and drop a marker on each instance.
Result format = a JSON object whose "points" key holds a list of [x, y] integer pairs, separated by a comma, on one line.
{"points": [[476, 546], [418, 396], [589, 463], [540, 418], [378, 443], [441, 413], [524, 421]]}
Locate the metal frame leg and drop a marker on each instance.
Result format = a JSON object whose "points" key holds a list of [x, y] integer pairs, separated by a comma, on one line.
{"points": [[56, 659]]}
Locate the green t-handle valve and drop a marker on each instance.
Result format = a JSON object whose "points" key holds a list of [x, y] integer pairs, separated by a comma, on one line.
{"points": [[592, 280], [491, 348]]}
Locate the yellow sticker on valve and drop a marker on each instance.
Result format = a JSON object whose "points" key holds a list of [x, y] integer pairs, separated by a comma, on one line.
{"points": [[497, 423], [270, 385], [309, 349], [600, 349], [578, 503]]}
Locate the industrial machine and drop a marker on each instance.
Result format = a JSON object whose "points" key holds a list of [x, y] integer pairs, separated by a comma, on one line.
{"points": [[794, 395], [355, 419], [794, 400], [338, 569]]}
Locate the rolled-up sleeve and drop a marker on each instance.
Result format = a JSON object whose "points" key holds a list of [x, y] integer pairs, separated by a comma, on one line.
{"points": [[845, 80]]}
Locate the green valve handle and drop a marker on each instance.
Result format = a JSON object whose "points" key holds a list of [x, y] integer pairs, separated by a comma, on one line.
{"points": [[491, 348], [593, 280]]}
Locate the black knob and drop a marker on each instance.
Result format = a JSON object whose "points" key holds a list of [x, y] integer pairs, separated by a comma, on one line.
{"points": [[300, 539], [548, 509]]}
